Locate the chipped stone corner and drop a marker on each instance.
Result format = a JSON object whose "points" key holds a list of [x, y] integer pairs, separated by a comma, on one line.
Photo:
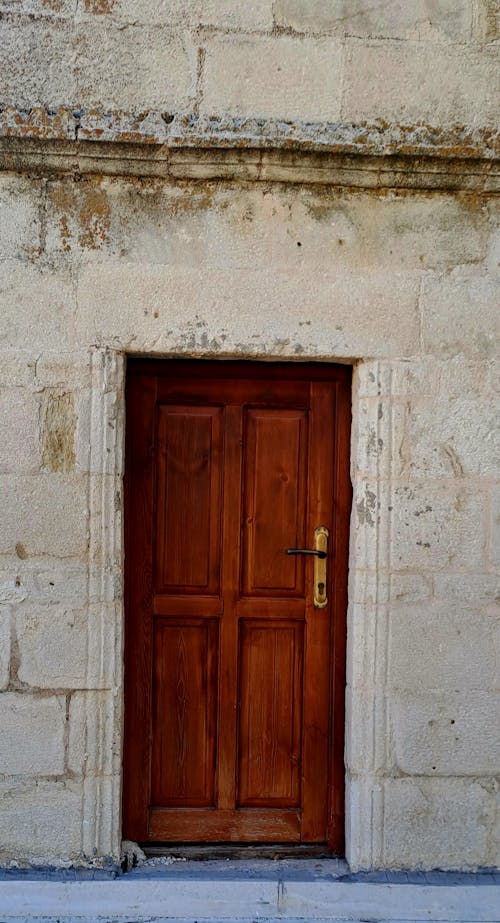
{"points": [[131, 855]]}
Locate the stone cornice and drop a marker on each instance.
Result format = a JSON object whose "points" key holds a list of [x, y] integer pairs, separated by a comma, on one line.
{"points": [[154, 144]]}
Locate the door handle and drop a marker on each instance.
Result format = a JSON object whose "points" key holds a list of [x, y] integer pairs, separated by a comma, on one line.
{"points": [[320, 552]]}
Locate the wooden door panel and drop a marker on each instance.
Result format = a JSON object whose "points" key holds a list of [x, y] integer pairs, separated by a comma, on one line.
{"points": [[239, 391], [188, 499], [251, 825], [274, 497], [234, 679], [270, 696], [184, 713]]}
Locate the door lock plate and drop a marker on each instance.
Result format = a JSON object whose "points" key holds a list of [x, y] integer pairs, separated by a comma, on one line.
{"points": [[320, 544]]}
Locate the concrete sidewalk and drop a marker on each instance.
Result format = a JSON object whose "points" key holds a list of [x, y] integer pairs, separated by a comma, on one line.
{"points": [[259, 890]]}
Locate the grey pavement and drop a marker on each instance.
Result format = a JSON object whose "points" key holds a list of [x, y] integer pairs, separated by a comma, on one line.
{"points": [[265, 891]]}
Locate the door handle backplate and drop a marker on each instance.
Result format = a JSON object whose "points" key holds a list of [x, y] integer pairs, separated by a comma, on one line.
{"points": [[320, 552], [320, 544]]}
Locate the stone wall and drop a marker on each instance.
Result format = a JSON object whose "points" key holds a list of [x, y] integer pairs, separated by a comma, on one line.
{"points": [[403, 285], [285, 257], [313, 60]]}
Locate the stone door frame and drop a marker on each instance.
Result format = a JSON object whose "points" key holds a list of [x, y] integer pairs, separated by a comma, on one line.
{"points": [[366, 737]]}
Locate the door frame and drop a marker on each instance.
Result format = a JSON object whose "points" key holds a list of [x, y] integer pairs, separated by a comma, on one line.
{"points": [[340, 537]]}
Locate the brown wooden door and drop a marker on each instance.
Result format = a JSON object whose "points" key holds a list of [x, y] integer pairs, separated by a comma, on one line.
{"points": [[234, 679]]}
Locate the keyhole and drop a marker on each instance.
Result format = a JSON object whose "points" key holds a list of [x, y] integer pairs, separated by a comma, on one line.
{"points": [[321, 587]]}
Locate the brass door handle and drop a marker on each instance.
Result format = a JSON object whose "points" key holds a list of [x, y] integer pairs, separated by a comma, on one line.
{"points": [[320, 552]]}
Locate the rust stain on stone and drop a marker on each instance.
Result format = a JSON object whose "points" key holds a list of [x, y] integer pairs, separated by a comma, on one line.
{"points": [[84, 211], [191, 199], [95, 217], [37, 122], [58, 432], [98, 7], [21, 551]]}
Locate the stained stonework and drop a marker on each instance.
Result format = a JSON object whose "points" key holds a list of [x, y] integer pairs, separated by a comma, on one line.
{"points": [[287, 180]]}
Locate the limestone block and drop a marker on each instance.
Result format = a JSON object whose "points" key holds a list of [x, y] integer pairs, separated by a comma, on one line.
{"points": [[226, 14], [133, 67], [105, 540], [440, 647], [17, 369], [368, 587], [397, 231], [462, 378], [453, 438], [493, 378], [363, 821], [41, 301], [223, 14], [487, 21], [32, 735], [415, 82], [101, 816], [41, 821], [425, 527], [284, 78], [65, 648], [365, 720], [494, 543], [91, 724], [397, 379], [20, 199], [361, 635], [437, 823], [411, 588], [493, 254], [49, 8], [382, 18], [5, 617], [221, 227], [102, 452], [445, 734], [19, 446], [43, 514], [425, 377], [254, 313], [70, 371], [468, 589], [11, 590], [148, 11], [377, 427], [46, 579], [436, 526], [36, 62], [78, 216], [460, 316]]}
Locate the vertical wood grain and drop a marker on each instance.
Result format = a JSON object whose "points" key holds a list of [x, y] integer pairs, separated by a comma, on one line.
{"points": [[184, 713], [274, 495], [234, 681], [270, 713], [188, 499]]}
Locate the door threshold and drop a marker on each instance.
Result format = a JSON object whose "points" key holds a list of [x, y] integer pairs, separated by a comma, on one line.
{"points": [[208, 852]]}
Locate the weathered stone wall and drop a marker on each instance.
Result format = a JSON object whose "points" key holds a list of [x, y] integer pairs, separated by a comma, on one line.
{"points": [[406, 283], [430, 61], [402, 284]]}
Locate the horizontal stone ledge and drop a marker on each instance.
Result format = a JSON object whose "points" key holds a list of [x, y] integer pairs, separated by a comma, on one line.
{"points": [[50, 157], [187, 130], [154, 144]]}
